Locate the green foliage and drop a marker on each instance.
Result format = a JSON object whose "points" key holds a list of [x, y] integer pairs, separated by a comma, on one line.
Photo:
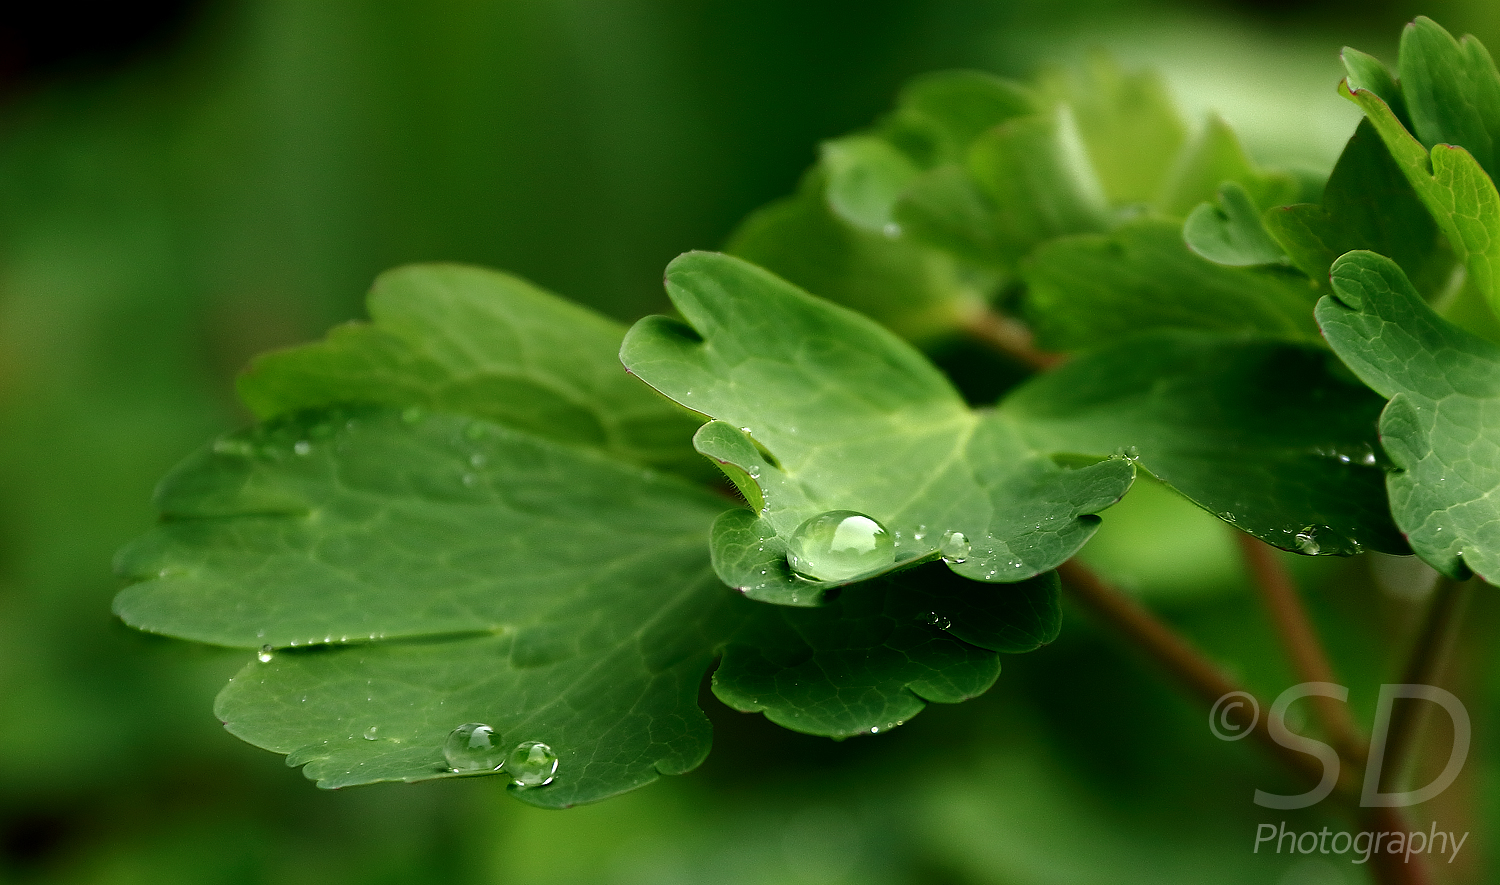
{"points": [[465, 510], [1442, 383]]}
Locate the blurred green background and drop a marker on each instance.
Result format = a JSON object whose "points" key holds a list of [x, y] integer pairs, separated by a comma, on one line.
{"points": [[236, 181]]}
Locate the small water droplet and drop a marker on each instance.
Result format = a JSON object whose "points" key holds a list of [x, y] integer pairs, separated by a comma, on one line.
{"points": [[473, 746], [531, 764], [1227, 516], [302, 447], [412, 415], [370, 734], [920, 533], [265, 654], [933, 619], [954, 546], [839, 545], [874, 729], [1307, 541], [1129, 453], [746, 430]]}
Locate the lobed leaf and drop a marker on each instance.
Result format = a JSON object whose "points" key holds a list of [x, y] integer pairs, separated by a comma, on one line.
{"points": [[1441, 427], [1450, 84], [823, 410], [466, 339], [404, 570], [1088, 291], [1261, 433]]}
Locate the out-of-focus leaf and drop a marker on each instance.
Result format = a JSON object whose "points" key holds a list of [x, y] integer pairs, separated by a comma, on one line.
{"points": [[1230, 232], [1214, 158], [1128, 122], [916, 291], [1088, 291]]}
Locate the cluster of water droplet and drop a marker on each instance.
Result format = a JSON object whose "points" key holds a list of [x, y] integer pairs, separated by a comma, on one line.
{"points": [[839, 545], [475, 746]]}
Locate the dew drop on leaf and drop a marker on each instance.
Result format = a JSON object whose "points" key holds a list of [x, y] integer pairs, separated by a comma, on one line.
{"points": [[954, 546], [531, 764], [473, 746], [933, 619], [370, 733], [265, 654], [1307, 541], [839, 545]]}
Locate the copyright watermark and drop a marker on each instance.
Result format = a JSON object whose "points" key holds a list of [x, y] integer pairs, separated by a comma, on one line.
{"points": [[1237, 714]]}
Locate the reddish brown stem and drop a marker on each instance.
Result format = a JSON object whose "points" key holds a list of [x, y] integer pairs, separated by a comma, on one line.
{"points": [[1309, 659], [1009, 338]]}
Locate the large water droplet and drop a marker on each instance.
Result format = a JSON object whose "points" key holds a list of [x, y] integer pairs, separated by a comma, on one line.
{"points": [[839, 545], [370, 733], [473, 746], [265, 654], [954, 546], [531, 764], [1307, 541]]}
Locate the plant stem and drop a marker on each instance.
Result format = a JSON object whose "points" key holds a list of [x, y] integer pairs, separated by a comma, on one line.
{"points": [[1429, 656], [1009, 338], [1173, 653], [1393, 869], [1309, 659]]}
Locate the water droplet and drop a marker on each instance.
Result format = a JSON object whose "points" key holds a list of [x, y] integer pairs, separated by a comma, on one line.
{"points": [[920, 533], [370, 734], [1227, 516], [874, 729], [473, 746], [411, 414], [1129, 453], [746, 430], [839, 545], [531, 764], [954, 546], [265, 654], [1307, 541], [933, 619], [302, 447]]}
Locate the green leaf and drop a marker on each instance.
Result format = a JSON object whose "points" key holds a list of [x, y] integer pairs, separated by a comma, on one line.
{"points": [[918, 292], [1088, 291], [1440, 426], [824, 410], [939, 115], [1128, 123], [1035, 172], [865, 176], [1454, 188], [1367, 204], [1260, 433], [415, 575], [811, 669], [1451, 90], [1214, 158], [484, 343], [1231, 232]]}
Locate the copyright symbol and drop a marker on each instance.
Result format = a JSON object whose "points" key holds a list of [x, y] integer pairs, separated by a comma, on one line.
{"points": [[1226, 724]]}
